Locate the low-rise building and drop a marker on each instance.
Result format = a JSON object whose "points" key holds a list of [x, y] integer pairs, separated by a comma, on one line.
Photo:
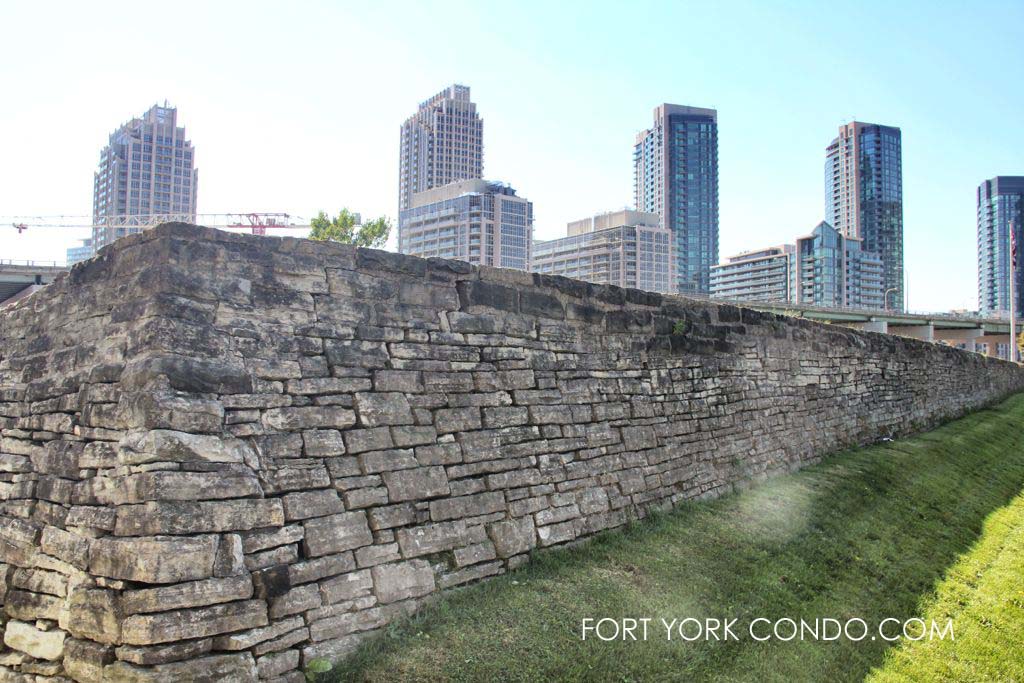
{"points": [[834, 270], [478, 221], [767, 274], [624, 248], [82, 252]]}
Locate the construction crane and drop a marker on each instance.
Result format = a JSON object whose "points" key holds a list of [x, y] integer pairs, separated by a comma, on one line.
{"points": [[259, 222], [256, 222]]}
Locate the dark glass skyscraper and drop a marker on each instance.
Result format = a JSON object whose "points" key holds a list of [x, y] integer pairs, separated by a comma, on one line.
{"points": [[864, 196], [675, 166], [1000, 201]]}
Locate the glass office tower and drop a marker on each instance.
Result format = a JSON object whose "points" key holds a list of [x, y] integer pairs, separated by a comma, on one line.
{"points": [[864, 196], [1000, 202], [675, 164]]}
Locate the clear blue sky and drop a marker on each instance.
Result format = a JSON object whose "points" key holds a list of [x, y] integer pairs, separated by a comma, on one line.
{"points": [[296, 106]]}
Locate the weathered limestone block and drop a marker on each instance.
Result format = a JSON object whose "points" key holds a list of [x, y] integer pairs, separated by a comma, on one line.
{"points": [[556, 533], [23, 637], [84, 660], [10, 462], [188, 373], [254, 541], [230, 558], [162, 445], [156, 518], [296, 600], [158, 486], [161, 410], [237, 668], [513, 537], [40, 581], [71, 548], [91, 517], [278, 663], [189, 594], [427, 539], [403, 580], [347, 586], [287, 478], [474, 554], [467, 506], [95, 614], [166, 627], [308, 504], [328, 385], [322, 443], [449, 420], [321, 567], [415, 484], [59, 458], [98, 455], [243, 640], [336, 533], [295, 419], [372, 439], [161, 559], [387, 408], [374, 462], [345, 624], [31, 606], [299, 635], [147, 655]]}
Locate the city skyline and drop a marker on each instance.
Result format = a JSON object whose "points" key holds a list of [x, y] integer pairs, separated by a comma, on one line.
{"points": [[770, 153]]}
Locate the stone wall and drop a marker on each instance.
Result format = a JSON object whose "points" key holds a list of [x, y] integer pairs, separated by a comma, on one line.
{"points": [[222, 456]]}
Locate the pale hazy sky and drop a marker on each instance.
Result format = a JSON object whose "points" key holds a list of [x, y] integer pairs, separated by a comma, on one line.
{"points": [[296, 107]]}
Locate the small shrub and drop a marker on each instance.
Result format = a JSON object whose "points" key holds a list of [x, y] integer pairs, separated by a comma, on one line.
{"points": [[317, 667]]}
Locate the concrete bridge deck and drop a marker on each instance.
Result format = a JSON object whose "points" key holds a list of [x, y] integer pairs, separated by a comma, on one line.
{"points": [[965, 331], [20, 278]]}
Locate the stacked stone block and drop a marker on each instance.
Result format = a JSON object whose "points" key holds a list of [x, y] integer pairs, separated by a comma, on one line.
{"points": [[224, 456]]}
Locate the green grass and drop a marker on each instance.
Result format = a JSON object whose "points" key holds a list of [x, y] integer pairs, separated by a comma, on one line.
{"points": [[869, 533], [984, 596]]}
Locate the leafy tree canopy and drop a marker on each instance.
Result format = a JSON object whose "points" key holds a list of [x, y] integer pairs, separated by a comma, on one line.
{"points": [[343, 228]]}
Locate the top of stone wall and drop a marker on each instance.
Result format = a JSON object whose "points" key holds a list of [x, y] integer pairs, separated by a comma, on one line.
{"points": [[137, 270]]}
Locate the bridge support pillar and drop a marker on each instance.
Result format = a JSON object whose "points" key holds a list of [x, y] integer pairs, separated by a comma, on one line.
{"points": [[869, 326], [922, 332], [967, 337]]}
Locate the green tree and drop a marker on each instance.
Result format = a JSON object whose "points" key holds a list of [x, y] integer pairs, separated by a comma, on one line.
{"points": [[343, 228]]}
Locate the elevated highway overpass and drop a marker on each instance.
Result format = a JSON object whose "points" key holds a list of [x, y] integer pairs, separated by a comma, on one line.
{"points": [[967, 330], [21, 278]]}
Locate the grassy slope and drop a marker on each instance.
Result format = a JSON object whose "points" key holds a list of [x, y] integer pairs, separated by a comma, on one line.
{"points": [[865, 534], [984, 596]]}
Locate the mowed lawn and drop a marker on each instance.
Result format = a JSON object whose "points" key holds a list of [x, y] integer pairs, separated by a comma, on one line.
{"points": [[930, 526]]}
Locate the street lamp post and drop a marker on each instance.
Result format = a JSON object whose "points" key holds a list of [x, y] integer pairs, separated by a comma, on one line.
{"points": [[885, 297]]}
